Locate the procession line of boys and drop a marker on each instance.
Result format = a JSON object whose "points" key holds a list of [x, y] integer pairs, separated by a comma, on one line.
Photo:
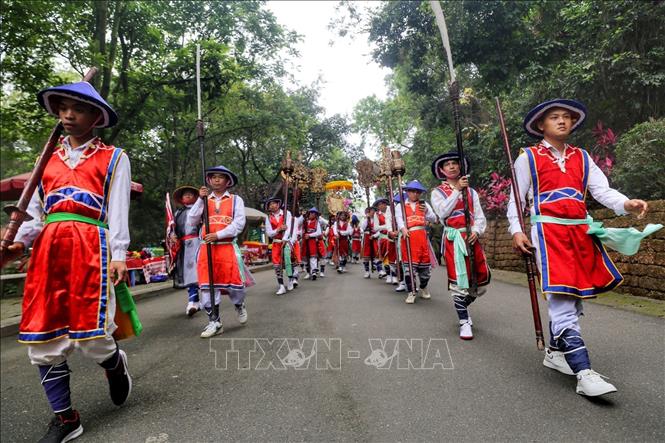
{"points": [[80, 234]]}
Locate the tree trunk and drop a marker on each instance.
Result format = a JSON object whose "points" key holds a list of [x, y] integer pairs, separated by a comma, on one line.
{"points": [[110, 60], [101, 10]]}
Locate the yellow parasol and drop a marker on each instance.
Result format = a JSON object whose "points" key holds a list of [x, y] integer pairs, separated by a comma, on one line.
{"points": [[339, 185]]}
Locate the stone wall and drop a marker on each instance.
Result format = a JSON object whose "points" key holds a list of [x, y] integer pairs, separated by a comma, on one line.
{"points": [[644, 272]]}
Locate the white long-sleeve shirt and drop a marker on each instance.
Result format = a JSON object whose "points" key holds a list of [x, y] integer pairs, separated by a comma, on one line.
{"points": [[387, 225], [363, 225], [316, 234], [118, 205], [430, 216], [237, 224], [343, 232], [597, 185], [444, 207], [287, 221]]}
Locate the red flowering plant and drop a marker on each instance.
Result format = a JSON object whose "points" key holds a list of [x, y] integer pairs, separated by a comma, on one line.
{"points": [[603, 151], [495, 196]]}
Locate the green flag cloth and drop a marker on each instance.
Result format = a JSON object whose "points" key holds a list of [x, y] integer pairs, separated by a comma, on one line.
{"points": [[126, 302]]}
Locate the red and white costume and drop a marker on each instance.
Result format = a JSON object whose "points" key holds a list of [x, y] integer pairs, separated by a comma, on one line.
{"points": [[343, 230], [571, 261], [279, 238], [370, 243], [356, 240], [417, 215], [226, 215], [69, 297], [448, 204]]}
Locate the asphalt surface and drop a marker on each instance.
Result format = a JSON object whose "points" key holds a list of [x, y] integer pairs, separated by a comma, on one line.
{"points": [[493, 388]]}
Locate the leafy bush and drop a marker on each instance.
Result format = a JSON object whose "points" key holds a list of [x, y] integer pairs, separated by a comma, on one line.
{"points": [[640, 161]]}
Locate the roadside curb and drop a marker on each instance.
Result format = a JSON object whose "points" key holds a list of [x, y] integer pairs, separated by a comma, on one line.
{"points": [[9, 326]]}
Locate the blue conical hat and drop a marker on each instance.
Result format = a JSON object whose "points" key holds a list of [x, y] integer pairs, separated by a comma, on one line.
{"points": [[81, 91]]}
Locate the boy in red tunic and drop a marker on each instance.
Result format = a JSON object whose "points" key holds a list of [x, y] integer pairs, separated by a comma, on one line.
{"points": [[342, 231], [80, 231], [370, 246], [448, 204], [226, 214], [277, 223], [574, 264], [356, 239], [313, 246], [412, 226]]}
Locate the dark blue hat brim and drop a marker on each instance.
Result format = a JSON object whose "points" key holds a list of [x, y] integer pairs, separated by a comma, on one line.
{"points": [[316, 211], [440, 160], [380, 200], [83, 92], [223, 170], [533, 116]]}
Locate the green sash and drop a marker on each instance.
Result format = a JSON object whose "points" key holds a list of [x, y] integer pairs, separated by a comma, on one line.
{"points": [[460, 252], [624, 240], [68, 216]]}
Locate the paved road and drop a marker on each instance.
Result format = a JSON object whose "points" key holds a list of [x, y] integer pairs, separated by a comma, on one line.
{"points": [[492, 388]]}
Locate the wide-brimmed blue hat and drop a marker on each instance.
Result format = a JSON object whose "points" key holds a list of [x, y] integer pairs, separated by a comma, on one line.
{"points": [[380, 200], [314, 210], [440, 160], [414, 185], [223, 170], [81, 91], [531, 119], [272, 199]]}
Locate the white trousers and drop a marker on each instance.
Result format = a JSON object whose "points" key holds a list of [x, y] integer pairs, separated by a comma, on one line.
{"points": [[564, 312], [98, 349]]}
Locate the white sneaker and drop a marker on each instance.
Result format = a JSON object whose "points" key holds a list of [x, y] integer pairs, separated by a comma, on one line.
{"points": [[465, 331], [295, 283], [424, 294], [322, 274], [306, 276], [410, 299], [289, 285], [557, 361], [389, 279], [241, 312], [382, 273], [281, 290], [192, 308], [401, 287], [591, 384], [213, 328], [366, 275]]}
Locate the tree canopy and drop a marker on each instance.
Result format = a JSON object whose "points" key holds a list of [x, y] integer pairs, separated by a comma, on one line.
{"points": [[608, 54], [146, 53]]}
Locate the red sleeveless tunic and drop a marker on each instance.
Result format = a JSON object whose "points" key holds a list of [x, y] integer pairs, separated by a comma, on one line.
{"points": [[276, 222], [356, 240], [226, 272], [415, 222], [68, 284], [572, 262], [456, 220]]}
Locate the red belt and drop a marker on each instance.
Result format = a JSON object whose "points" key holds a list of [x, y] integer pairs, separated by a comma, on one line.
{"points": [[189, 237]]}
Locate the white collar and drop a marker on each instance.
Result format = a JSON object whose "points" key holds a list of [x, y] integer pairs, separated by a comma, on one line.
{"points": [[68, 146]]}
